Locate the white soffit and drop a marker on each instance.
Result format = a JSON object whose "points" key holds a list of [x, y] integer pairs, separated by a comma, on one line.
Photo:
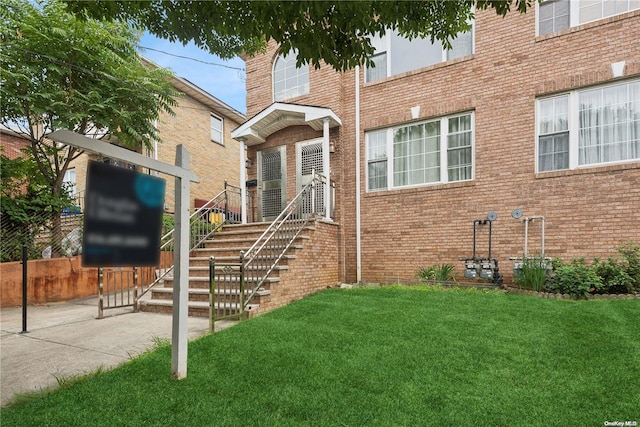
{"points": [[280, 115]]}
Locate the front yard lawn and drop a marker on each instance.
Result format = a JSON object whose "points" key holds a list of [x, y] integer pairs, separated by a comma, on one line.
{"points": [[390, 356]]}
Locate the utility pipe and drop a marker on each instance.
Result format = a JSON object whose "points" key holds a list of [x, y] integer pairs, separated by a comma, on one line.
{"points": [[358, 229], [526, 237], [526, 221], [490, 222], [243, 181]]}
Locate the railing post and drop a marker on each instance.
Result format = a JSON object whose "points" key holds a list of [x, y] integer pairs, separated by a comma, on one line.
{"points": [[25, 258], [135, 289], [100, 294], [314, 182], [242, 296], [212, 286], [226, 202]]}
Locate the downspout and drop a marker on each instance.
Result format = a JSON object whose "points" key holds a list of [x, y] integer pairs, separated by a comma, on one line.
{"points": [[358, 232], [243, 180]]}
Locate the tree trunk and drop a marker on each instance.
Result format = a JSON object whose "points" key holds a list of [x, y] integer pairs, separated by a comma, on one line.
{"points": [[56, 226]]}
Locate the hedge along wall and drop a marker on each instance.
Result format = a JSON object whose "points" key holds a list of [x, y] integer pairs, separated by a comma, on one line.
{"points": [[51, 280]]}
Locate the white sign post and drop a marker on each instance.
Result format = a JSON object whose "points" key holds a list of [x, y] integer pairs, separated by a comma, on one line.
{"points": [[181, 255]]}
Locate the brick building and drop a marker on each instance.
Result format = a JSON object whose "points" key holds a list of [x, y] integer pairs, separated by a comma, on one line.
{"points": [[203, 124], [12, 144], [538, 112]]}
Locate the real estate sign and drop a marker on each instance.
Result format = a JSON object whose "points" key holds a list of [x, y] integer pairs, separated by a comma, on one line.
{"points": [[123, 217]]}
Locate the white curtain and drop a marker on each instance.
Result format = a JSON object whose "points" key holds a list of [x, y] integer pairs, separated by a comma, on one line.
{"points": [[609, 124]]}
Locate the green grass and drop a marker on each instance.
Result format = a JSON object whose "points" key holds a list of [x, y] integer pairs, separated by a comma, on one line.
{"points": [[380, 357]]}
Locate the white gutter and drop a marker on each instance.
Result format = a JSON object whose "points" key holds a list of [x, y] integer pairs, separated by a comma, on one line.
{"points": [[358, 234], [243, 180]]}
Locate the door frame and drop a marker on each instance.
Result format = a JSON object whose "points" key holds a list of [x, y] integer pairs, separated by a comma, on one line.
{"points": [[282, 149]]}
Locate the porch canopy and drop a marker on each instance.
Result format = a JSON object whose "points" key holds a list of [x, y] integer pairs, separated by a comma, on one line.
{"points": [[280, 115]]}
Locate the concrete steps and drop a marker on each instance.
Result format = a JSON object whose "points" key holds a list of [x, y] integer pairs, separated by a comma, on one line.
{"points": [[224, 247]]}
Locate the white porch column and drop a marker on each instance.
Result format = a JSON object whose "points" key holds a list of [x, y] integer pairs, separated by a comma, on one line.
{"points": [[243, 180], [326, 168]]}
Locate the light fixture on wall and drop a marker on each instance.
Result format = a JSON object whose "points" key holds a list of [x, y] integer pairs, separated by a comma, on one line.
{"points": [[248, 163], [332, 147]]}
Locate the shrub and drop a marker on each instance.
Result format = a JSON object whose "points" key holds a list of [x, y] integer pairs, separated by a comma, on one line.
{"points": [[575, 278], [630, 252], [533, 274], [615, 278], [439, 273]]}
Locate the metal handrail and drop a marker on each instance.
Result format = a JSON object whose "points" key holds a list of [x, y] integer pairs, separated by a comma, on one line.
{"points": [[268, 250], [204, 222]]}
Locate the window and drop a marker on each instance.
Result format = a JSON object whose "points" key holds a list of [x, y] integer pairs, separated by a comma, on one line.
{"points": [[553, 131], [216, 130], [377, 160], [589, 127], [556, 15], [553, 15], [288, 80], [69, 182], [395, 54], [436, 151], [118, 163]]}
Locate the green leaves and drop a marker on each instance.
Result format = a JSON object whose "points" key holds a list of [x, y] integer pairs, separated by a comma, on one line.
{"points": [[337, 33], [74, 71]]}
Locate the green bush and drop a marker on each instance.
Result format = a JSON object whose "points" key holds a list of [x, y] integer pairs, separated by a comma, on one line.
{"points": [[198, 229], [615, 279], [575, 278], [168, 223], [439, 273], [630, 252], [533, 274]]}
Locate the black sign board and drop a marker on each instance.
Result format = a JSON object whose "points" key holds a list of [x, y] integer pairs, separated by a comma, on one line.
{"points": [[123, 217]]}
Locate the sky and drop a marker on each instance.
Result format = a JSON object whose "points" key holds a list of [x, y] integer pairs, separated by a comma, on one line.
{"points": [[226, 84]]}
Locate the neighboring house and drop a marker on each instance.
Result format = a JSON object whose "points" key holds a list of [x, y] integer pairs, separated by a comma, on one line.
{"points": [[538, 112], [203, 124], [12, 144]]}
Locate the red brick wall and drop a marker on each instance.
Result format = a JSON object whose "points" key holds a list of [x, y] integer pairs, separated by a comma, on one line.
{"points": [[12, 145], [315, 268], [588, 211]]}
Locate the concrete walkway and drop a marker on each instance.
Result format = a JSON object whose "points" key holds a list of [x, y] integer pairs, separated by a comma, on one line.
{"points": [[66, 339]]}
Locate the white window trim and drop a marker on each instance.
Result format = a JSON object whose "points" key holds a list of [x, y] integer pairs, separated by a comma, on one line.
{"points": [[66, 180], [443, 54], [573, 124], [273, 79], [574, 16], [221, 142], [444, 167]]}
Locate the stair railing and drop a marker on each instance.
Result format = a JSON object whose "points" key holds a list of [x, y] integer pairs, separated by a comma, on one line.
{"points": [[271, 246], [224, 208]]}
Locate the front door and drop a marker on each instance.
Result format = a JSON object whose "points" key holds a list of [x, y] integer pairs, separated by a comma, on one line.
{"points": [[308, 160], [272, 182]]}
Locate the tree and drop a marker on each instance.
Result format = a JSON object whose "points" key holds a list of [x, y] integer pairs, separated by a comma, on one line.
{"points": [[26, 205], [61, 72], [336, 32]]}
